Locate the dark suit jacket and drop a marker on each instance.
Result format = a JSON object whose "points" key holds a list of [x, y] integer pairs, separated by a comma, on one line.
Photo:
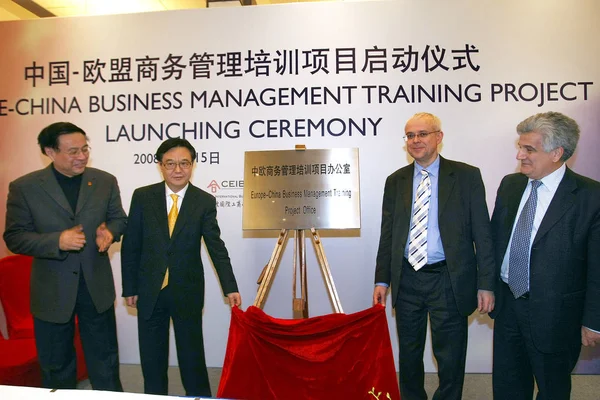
{"points": [[464, 224], [564, 260], [37, 212], [148, 250]]}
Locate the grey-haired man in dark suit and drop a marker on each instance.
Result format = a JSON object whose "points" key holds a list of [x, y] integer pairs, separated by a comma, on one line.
{"points": [[546, 227]]}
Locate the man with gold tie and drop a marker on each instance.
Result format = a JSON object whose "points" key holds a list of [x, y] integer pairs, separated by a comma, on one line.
{"points": [[162, 269]]}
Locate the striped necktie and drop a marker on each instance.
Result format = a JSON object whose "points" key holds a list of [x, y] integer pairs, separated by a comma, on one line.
{"points": [[417, 244]]}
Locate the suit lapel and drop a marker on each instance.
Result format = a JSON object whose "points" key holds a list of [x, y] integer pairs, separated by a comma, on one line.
{"points": [[88, 185], [190, 201], [49, 183], [563, 200], [158, 200], [446, 182], [406, 189], [514, 194]]}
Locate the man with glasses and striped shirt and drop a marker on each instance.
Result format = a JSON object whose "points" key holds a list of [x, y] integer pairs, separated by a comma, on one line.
{"points": [[435, 251]]}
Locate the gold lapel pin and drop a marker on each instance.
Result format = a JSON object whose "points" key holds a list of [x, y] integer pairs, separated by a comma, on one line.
{"points": [[89, 183]]}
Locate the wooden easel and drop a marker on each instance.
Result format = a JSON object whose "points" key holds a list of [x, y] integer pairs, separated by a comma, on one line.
{"points": [[299, 305]]}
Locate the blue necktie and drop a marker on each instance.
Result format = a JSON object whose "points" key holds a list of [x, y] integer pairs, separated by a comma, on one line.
{"points": [[518, 266]]}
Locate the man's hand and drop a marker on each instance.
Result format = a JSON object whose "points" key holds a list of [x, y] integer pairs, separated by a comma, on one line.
{"points": [[379, 295], [589, 337], [72, 239], [104, 238], [131, 301], [234, 299], [485, 301]]}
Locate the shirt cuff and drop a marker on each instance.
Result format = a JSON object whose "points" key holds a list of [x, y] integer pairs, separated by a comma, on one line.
{"points": [[586, 328]]}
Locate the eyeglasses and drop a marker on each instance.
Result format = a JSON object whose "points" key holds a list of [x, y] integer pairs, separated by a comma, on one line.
{"points": [[421, 135], [170, 165], [85, 150]]}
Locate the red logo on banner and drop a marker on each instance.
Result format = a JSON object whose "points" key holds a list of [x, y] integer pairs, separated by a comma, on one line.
{"points": [[213, 186]]}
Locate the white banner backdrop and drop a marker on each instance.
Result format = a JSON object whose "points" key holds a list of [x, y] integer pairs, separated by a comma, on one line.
{"points": [[325, 75]]}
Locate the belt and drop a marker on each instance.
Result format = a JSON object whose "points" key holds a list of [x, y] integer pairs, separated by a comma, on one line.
{"points": [[524, 296], [429, 268], [438, 264]]}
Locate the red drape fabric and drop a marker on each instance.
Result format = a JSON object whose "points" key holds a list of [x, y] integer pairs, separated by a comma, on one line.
{"points": [[19, 365], [15, 274], [335, 356]]}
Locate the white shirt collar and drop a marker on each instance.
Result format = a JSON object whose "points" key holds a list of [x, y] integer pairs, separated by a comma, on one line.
{"points": [[181, 193], [551, 181]]}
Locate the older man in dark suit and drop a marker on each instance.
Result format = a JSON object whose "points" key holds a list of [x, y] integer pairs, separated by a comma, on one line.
{"points": [[66, 216], [163, 275], [546, 227], [434, 218]]}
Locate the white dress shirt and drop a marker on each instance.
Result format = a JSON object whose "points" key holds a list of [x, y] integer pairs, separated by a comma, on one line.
{"points": [[181, 194], [546, 192]]}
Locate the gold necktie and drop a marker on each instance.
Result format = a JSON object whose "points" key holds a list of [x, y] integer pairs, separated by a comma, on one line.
{"points": [[171, 220], [173, 214]]}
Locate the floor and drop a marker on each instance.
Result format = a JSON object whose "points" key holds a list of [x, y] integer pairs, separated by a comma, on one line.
{"points": [[477, 386]]}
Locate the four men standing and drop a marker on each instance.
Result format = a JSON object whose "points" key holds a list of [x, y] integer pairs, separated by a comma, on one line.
{"points": [[437, 250]]}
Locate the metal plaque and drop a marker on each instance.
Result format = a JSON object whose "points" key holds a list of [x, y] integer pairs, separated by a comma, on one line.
{"points": [[301, 189]]}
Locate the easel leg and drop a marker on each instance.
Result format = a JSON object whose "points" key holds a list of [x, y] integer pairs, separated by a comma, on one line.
{"points": [[300, 305], [333, 295], [265, 280]]}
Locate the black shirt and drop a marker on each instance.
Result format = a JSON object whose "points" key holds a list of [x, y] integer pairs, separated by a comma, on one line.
{"points": [[70, 186]]}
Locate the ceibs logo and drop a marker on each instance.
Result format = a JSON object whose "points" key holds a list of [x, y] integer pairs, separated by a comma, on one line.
{"points": [[213, 186]]}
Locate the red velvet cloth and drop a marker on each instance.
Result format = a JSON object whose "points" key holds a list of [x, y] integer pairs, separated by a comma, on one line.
{"points": [[15, 274], [335, 356], [19, 365]]}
